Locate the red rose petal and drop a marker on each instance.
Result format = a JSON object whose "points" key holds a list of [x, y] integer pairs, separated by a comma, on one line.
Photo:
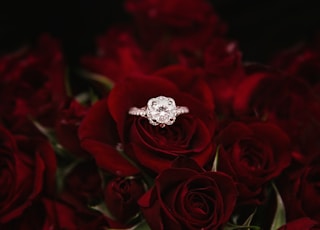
{"points": [[108, 158]]}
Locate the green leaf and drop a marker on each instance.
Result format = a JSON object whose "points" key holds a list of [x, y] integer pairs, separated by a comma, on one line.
{"points": [[103, 80], [250, 218], [102, 207], [230, 226], [147, 178], [87, 98], [246, 225], [66, 161], [280, 214], [63, 171], [83, 98], [44, 130], [215, 161], [50, 134], [140, 226], [93, 96], [67, 83]]}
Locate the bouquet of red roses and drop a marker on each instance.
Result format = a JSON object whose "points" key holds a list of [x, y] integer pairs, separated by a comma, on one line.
{"points": [[163, 127]]}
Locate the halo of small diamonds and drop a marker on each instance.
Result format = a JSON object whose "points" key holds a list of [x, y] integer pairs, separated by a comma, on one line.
{"points": [[161, 111]]}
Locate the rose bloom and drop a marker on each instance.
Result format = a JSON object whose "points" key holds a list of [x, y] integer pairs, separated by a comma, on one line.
{"points": [[118, 54], [270, 95], [108, 124], [52, 214], [222, 62], [253, 154], [27, 169], [62, 216], [32, 83], [302, 60], [84, 187], [300, 189], [32, 218], [162, 33], [287, 101], [187, 197], [183, 21], [301, 224]]}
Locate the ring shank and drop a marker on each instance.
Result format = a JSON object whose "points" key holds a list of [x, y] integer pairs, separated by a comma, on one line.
{"points": [[181, 110], [138, 111]]}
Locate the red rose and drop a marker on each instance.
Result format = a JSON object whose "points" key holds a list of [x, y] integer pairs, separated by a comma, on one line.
{"points": [[31, 219], [32, 83], [68, 120], [301, 224], [300, 189], [27, 168], [118, 55], [224, 68], [270, 95], [252, 154], [163, 33], [108, 123], [285, 100], [62, 216], [84, 187], [187, 197], [185, 21], [51, 214], [121, 196], [301, 61]]}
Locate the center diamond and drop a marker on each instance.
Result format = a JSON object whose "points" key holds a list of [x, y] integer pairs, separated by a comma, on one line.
{"points": [[161, 111]]}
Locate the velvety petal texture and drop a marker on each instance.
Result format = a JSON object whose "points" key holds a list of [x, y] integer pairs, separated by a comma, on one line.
{"points": [[253, 154], [187, 197], [27, 169]]}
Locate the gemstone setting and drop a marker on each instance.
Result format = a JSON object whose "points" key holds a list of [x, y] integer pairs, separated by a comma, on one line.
{"points": [[161, 111]]}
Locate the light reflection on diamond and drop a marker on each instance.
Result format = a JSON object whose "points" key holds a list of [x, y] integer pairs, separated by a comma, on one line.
{"points": [[161, 110]]}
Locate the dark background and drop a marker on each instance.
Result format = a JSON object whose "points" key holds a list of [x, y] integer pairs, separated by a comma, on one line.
{"points": [[260, 27]]}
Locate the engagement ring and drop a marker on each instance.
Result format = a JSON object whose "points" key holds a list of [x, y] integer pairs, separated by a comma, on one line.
{"points": [[160, 111]]}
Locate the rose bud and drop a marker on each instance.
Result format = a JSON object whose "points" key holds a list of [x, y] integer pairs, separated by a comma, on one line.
{"points": [[187, 197], [121, 195]]}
